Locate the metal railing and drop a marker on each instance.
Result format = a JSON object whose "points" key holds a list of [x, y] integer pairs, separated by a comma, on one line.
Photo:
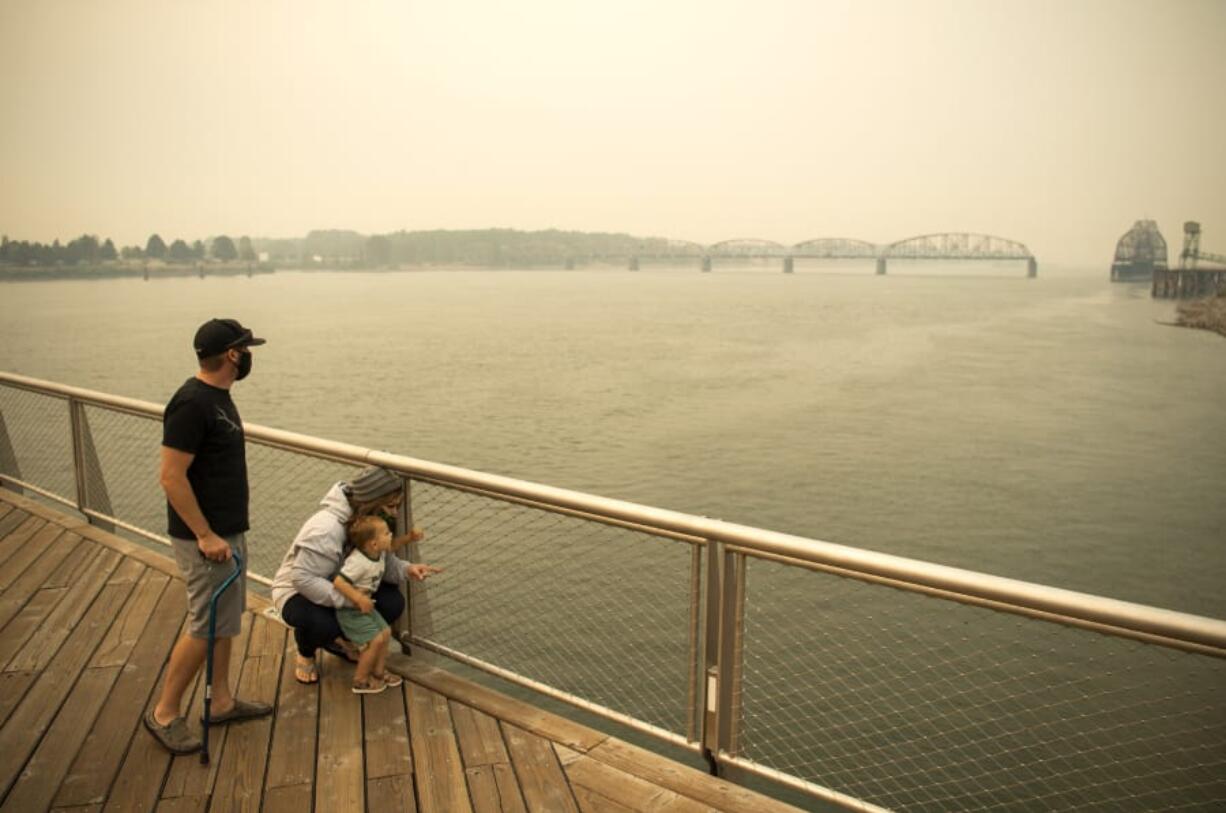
{"points": [[863, 679]]}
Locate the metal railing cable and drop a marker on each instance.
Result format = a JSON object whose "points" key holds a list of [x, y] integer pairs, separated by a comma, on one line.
{"points": [[864, 679]]}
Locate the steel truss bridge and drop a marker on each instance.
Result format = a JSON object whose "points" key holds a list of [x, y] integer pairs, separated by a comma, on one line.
{"points": [[943, 246]]}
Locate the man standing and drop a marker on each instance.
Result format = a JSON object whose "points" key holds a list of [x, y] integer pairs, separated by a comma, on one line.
{"points": [[204, 475]]}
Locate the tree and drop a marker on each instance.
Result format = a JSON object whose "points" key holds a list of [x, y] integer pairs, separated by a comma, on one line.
{"points": [[223, 249], [378, 250], [245, 250], [198, 250], [179, 252], [155, 248], [132, 253], [107, 252]]}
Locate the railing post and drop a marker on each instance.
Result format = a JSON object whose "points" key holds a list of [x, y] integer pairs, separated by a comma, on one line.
{"points": [[8, 459], [710, 693], [724, 623], [731, 630], [92, 496], [694, 678], [416, 617]]}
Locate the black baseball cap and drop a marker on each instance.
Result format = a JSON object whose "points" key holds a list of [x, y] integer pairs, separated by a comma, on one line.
{"points": [[216, 336]]}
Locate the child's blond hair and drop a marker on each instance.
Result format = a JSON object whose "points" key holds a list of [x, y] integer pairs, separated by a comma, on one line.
{"points": [[362, 530]]}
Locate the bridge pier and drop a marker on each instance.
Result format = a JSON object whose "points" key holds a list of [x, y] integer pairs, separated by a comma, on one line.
{"points": [[706, 263], [787, 265], [634, 263], [881, 266], [1032, 267]]}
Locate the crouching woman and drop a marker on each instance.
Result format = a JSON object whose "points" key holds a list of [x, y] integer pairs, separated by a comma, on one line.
{"points": [[303, 590]]}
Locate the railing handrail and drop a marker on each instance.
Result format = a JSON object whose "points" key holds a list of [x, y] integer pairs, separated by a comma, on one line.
{"points": [[1169, 627]]}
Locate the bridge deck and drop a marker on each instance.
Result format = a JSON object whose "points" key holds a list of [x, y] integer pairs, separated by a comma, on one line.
{"points": [[87, 621]]}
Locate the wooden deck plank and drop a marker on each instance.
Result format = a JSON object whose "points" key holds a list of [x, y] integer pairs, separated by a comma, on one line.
{"points": [[39, 607], [59, 624], [291, 760], [240, 775], [683, 780], [509, 794], [145, 762], [18, 632], [35, 507], [592, 802], [127, 630], [479, 736], [183, 804], [339, 761], [103, 751], [491, 779], [27, 552], [10, 526], [541, 778], [43, 773], [32, 580], [391, 793], [187, 777], [133, 550], [625, 789], [5, 508], [288, 799], [13, 686], [388, 752], [530, 718], [30, 719], [436, 755]]}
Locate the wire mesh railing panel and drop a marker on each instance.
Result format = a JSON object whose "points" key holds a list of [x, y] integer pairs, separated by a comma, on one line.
{"points": [[286, 488], [127, 448], [597, 611], [40, 432], [919, 703]]}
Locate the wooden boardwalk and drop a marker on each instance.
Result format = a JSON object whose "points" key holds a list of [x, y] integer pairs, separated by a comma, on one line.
{"points": [[87, 621]]}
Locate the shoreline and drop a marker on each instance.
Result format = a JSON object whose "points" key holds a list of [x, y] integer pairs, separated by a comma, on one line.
{"points": [[121, 270], [1203, 314]]}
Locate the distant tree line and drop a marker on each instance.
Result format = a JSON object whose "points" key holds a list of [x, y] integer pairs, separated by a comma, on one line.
{"points": [[87, 250], [490, 248]]}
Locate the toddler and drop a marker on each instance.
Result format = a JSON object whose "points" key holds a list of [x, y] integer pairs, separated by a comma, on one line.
{"points": [[357, 581]]}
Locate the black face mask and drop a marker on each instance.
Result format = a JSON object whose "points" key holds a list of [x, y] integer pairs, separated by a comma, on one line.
{"points": [[244, 365]]}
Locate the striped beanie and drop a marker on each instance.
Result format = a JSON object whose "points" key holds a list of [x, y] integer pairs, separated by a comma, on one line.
{"points": [[372, 483]]}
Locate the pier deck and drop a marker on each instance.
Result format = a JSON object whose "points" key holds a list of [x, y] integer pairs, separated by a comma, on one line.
{"points": [[87, 620]]}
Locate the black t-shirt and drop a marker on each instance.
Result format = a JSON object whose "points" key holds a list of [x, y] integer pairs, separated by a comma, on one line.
{"points": [[202, 420]]}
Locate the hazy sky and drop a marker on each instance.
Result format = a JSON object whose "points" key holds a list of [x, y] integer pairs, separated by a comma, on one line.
{"points": [[1055, 123]]}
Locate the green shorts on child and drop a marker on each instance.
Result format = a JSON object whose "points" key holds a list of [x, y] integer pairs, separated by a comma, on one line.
{"points": [[359, 627]]}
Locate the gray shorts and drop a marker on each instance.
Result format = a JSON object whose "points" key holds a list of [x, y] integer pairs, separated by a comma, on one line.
{"points": [[203, 577]]}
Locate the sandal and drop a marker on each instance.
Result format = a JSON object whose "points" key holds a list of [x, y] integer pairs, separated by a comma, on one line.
{"points": [[390, 679], [371, 685], [306, 671]]}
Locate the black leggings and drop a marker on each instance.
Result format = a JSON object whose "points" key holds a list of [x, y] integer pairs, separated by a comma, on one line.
{"points": [[316, 626]]}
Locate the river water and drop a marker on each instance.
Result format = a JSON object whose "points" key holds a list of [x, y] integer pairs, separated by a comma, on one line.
{"points": [[1043, 429]]}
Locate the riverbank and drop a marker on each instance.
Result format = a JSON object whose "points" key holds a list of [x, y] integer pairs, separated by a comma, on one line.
{"points": [[1205, 314], [146, 271]]}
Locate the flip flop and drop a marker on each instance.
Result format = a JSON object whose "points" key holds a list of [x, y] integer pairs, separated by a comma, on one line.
{"points": [[310, 668]]}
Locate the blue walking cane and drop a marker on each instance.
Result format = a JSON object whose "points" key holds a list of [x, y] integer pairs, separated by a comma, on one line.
{"points": [[208, 658]]}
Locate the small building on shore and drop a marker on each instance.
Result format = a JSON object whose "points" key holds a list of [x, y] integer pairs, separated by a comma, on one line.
{"points": [[1140, 252]]}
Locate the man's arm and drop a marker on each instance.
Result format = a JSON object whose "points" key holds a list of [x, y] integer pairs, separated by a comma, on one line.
{"points": [[173, 476]]}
